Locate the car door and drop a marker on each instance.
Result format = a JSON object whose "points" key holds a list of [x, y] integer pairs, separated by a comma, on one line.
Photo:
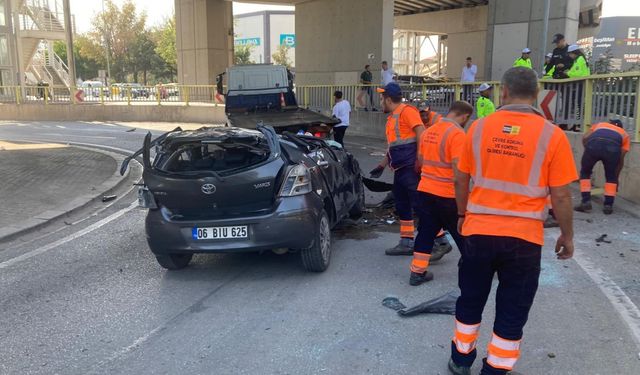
{"points": [[331, 167]]}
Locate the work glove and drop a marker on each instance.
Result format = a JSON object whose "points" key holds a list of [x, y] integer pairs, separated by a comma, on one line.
{"points": [[376, 172]]}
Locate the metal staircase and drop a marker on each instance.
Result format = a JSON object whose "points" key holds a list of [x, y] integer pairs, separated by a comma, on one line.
{"points": [[41, 24]]}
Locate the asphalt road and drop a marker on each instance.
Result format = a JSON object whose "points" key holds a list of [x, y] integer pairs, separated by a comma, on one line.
{"points": [[89, 298]]}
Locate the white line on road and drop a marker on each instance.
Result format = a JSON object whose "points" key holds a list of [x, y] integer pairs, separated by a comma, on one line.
{"points": [[79, 136], [69, 238], [61, 127], [621, 302]]}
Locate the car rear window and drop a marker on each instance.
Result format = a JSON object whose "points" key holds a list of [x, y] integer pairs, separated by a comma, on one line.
{"points": [[223, 157]]}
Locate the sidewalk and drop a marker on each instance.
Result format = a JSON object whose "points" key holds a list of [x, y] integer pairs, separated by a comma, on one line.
{"points": [[43, 181]]}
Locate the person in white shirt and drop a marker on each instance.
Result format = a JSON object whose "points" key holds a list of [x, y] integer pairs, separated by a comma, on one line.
{"points": [[469, 71], [341, 111], [386, 74]]}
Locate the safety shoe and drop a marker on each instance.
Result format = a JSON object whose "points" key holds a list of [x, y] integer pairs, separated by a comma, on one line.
{"points": [[458, 370], [441, 247], [608, 209], [584, 207], [404, 247], [418, 278]]}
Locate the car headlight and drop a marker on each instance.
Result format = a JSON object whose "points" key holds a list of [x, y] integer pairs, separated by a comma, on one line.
{"points": [[298, 182]]}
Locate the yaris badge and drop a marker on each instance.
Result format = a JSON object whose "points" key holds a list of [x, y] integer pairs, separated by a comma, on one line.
{"points": [[208, 188]]}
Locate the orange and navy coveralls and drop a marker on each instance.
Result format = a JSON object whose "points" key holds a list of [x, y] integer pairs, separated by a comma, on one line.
{"points": [[513, 157], [402, 154], [440, 145], [606, 143]]}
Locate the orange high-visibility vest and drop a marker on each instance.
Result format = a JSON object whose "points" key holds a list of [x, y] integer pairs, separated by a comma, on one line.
{"points": [[510, 186], [612, 132], [437, 154], [399, 133], [434, 118]]}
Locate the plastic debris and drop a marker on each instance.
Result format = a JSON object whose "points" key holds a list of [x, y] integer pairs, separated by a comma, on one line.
{"points": [[390, 221], [108, 198], [445, 304], [551, 355], [603, 238], [393, 303]]}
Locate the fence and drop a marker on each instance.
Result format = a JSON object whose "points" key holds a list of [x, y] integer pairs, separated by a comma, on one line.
{"points": [[575, 104]]}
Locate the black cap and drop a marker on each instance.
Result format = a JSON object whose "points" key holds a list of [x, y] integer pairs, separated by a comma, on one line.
{"points": [[616, 122], [557, 38]]}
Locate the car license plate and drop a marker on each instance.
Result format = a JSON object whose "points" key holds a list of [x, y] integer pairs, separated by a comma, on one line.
{"points": [[220, 233]]}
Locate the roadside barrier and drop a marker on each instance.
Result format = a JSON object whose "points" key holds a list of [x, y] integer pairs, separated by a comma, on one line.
{"points": [[574, 104]]}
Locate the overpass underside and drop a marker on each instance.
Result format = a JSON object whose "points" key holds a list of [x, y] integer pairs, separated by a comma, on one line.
{"points": [[336, 38]]}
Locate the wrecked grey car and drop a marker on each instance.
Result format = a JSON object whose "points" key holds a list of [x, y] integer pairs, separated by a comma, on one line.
{"points": [[225, 189]]}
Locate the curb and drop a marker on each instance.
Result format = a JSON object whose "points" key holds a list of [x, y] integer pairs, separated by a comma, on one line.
{"points": [[109, 185]]}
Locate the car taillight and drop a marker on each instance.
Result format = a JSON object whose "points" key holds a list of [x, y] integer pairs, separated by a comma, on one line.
{"points": [[298, 182], [146, 198]]}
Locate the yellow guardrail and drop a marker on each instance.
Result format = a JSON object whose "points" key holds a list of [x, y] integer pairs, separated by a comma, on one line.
{"points": [[579, 102]]}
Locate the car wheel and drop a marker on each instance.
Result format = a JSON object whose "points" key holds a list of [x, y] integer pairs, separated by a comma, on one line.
{"points": [[358, 208], [316, 258], [174, 261]]}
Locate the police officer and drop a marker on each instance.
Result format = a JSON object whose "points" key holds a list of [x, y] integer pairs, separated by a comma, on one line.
{"points": [[524, 60], [440, 148], [515, 158], [549, 69], [403, 129], [608, 143], [560, 59], [484, 105]]}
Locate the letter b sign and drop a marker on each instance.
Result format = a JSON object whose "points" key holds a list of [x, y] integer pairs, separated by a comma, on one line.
{"points": [[288, 40]]}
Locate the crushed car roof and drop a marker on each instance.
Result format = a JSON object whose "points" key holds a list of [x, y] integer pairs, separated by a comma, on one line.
{"points": [[212, 133]]}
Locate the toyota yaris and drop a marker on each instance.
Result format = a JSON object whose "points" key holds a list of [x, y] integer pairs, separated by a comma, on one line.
{"points": [[225, 189]]}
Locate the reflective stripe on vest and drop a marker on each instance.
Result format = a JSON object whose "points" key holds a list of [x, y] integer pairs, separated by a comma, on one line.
{"points": [[396, 128], [442, 163], [531, 189]]}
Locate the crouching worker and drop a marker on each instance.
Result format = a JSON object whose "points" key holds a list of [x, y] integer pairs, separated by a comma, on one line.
{"points": [[440, 148], [608, 143]]}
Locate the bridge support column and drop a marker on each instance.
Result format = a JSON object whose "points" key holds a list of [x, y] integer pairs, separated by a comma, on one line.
{"points": [[516, 24], [204, 40], [335, 39]]}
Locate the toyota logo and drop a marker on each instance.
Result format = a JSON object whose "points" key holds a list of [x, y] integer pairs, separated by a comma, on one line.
{"points": [[208, 188]]}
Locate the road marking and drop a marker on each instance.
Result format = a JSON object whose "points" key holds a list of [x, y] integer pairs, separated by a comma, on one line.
{"points": [[79, 136], [69, 238], [61, 127], [621, 302]]}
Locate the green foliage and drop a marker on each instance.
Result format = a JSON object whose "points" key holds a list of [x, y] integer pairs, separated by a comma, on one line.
{"points": [[242, 54], [603, 64], [165, 37], [281, 57]]}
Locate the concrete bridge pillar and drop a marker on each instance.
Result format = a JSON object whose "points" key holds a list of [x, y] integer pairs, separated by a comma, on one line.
{"points": [[336, 39], [204, 31], [515, 24]]}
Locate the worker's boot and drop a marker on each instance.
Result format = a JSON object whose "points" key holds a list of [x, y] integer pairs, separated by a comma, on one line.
{"points": [[418, 278], [441, 247], [584, 207], [404, 247], [608, 209], [458, 370]]}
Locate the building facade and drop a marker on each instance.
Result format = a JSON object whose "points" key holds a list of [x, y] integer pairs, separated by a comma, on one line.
{"points": [[265, 32]]}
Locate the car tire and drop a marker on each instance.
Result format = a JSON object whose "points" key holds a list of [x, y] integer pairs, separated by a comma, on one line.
{"points": [[358, 208], [174, 261], [317, 257]]}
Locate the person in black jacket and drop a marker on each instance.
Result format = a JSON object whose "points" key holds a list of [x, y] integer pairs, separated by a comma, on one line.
{"points": [[560, 58]]}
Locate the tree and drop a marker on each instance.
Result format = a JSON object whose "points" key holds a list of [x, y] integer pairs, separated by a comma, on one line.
{"points": [[86, 67], [141, 56], [603, 64], [281, 57], [242, 54], [116, 28], [165, 37]]}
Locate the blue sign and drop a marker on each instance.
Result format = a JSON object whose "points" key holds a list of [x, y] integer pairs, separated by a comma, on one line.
{"points": [[288, 40], [247, 42]]}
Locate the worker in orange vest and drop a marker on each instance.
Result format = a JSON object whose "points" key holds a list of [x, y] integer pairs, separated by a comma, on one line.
{"points": [[428, 116], [440, 149], [403, 129], [515, 158], [609, 143]]}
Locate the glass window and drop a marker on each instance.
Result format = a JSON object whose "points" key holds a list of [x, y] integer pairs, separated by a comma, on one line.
{"points": [[4, 51], [3, 19]]}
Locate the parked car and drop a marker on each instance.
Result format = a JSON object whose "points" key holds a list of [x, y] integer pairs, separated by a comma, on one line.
{"points": [[136, 89], [93, 89], [228, 189]]}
